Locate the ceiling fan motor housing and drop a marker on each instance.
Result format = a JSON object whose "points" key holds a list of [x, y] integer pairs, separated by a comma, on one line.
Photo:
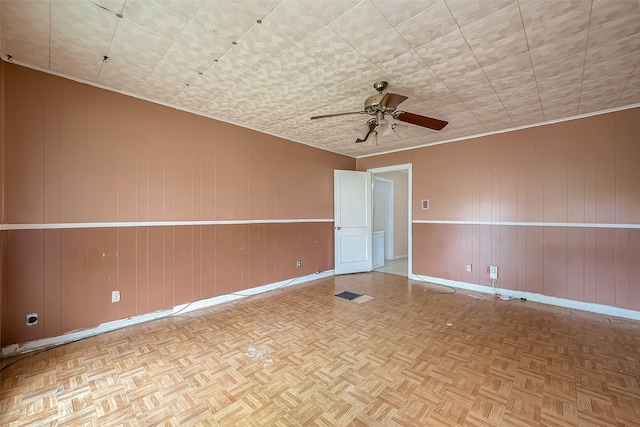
{"points": [[372, 104]]}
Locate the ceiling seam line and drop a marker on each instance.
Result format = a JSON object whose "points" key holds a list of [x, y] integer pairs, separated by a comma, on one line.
{"points": [[49, 56], [626, 84], [584, 60], [170, 46], [477, 62], [535, 78]]}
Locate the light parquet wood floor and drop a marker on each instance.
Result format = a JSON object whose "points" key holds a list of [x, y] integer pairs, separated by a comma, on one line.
{"points": [[408, 357]]}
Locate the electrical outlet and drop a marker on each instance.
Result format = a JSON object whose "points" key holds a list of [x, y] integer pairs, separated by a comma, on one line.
{"points": [[493, 272], [115, 296], [469, 267], [486, 269], [298, 263], [32, 319]]}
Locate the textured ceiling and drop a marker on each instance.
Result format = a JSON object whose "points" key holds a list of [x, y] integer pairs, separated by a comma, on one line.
{"points": [[482, 65]]}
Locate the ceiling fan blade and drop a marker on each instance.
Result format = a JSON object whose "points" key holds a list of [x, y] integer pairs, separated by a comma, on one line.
{"points": [[416, 119], [336, 114], [372, 126], [392, 100]]}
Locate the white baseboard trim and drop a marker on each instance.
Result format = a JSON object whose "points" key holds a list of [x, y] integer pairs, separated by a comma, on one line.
{"points": [[196, 305], [530, 296], [14, 349], [400, 257]]}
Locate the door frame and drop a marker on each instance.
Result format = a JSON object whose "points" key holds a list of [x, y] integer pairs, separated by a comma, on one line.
{"points": [[390, 229], [408, 167]]}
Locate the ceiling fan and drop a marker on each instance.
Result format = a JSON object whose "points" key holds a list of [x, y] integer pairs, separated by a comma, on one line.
{"points": [[378, 105]]}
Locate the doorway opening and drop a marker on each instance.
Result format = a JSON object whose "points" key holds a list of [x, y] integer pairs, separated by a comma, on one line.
{"points": [[392, 219]]}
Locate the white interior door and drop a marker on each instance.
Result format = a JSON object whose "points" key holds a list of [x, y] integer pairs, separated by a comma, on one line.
{"points": [[352, 221]]}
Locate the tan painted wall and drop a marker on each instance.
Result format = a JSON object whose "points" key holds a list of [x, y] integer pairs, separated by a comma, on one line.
{"points": [[580, 171], [79, 154], [400, 203]]}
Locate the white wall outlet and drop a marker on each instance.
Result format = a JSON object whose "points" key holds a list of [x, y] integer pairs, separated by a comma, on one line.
{"points": [[298, 263], [469, 267], [115, 296], [493, 272]]}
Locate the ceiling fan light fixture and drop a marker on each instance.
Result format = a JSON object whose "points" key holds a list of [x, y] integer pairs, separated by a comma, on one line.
{"points": [[398, 129], [363, 131], [372, 139], [384, 128]]}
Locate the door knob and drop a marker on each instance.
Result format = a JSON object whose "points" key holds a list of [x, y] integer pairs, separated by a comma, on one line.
{"points": [[337, 228]]}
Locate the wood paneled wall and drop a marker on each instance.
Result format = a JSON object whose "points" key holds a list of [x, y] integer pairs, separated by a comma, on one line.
{"points": [[595, 265], [563, 177], [67, 275], [83, 156]]}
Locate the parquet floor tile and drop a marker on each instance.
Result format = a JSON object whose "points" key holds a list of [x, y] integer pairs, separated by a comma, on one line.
{"points": [[414, 355]]}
